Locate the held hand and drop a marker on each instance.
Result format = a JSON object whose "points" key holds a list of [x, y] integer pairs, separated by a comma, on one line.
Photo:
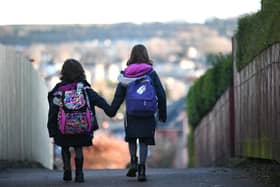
{"points": [[52, 140]]}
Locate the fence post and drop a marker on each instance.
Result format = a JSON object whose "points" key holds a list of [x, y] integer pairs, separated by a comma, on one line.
{"points": [[231, 121], [232, 99]]}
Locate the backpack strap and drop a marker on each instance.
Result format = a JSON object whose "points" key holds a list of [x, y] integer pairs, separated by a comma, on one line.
{"points": [[89, 117], [150, 72], [85, 88], [149, 76]]}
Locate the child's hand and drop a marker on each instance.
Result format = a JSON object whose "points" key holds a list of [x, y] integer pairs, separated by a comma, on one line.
{"points": [[162, 118]]}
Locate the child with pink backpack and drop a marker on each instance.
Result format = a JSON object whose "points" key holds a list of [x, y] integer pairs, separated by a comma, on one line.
{"points": [[71, 118]]}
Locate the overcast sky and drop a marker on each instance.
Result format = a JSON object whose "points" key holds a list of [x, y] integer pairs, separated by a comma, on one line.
{"points": [[115, 11]]}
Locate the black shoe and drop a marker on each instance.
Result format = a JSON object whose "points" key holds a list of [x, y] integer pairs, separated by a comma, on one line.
{"points": [[132, 168], [67, 175], [79, 170], [141, 173], [79, 177]]}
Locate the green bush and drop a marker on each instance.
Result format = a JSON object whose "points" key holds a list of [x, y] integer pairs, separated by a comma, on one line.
{"points": [[206, 90], [257, 32]]}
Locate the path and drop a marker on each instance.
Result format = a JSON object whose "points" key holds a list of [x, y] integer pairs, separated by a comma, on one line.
{"points": [[198, 177]]}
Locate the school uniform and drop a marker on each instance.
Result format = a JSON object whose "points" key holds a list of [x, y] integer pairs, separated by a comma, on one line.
{"points": [[136, 126]]}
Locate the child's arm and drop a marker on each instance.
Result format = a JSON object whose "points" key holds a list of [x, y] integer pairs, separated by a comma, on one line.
{"points": [[97, 100], [161, 97], [52, 116], [118, 98], [102, 103]]}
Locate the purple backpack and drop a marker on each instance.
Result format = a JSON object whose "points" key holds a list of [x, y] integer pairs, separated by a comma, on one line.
{"points": [[75, 115], [141, 99]]}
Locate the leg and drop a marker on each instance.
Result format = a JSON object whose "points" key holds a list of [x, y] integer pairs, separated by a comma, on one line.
{"points": [[132, 145], [133, 163], [143, 152], [79, 153], [79, 159], [66, 155], [143, 158]]}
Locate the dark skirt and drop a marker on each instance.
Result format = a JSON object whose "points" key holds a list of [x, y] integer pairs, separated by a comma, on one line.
{"points": [[73, 140], [147, 141], [142, 128]]}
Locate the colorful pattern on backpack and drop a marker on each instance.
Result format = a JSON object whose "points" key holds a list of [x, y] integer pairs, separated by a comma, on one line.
{"points": [[75, 115], [141, 99]]}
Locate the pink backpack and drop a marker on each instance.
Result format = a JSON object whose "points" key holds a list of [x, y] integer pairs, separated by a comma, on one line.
{"points": [[75, 115]]}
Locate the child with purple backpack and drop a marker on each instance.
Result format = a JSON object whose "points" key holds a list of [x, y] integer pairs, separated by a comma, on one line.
{"points": [[145, 97], [71, 118]]}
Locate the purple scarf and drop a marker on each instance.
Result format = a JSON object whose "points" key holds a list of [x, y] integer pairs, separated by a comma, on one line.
{"points": [[136, 70]]}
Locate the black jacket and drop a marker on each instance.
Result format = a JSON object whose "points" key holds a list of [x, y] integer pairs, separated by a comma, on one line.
{"points": [[73, 140], [141, 127]]}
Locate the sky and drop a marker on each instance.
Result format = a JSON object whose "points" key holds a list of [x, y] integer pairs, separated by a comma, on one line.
{"points": [[116, 11]]}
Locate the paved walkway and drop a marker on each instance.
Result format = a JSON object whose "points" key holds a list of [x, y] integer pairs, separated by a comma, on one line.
{"points": [[198, 177]]}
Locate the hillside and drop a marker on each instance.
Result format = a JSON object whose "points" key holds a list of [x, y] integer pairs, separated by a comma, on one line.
{"points": [[53, 34]]}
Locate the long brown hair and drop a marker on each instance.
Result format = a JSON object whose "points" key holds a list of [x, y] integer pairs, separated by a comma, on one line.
{"points": [[139, 54], [72, 71]]}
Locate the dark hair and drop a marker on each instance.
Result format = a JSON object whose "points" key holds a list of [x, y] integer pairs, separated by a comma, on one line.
{"points": [[72, 71], [139, 54]]}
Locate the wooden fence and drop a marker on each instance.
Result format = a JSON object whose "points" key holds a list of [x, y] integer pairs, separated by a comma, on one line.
{"points": [[23, 111], [257, 106], [212, 136], [245, 121]]}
